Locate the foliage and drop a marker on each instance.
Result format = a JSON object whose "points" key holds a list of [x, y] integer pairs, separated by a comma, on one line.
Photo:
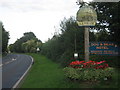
{"points": [[27, 43], [80, 70], [46, 74], [31, 46], [5, 38], [108, 18], [62, 47], [11, 47], [0, 38], [102, 35], [113, 61]]}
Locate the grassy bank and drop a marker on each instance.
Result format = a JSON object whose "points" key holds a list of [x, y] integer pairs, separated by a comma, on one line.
{"points": [[44, 74], [47, 74]]}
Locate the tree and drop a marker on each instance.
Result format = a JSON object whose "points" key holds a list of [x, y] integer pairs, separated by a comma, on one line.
{"points": [[0, 38], [5, 38], [20, 43], [31, 46], [62, 47], [108, 18], [11, 47], [102, 35]]}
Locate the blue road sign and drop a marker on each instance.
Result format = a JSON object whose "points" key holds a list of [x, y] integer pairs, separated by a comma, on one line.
{"points": [[104, 48]]}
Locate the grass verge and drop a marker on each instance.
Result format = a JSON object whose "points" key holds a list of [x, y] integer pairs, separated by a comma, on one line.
{"points": [[44, 74], [47, 74]]}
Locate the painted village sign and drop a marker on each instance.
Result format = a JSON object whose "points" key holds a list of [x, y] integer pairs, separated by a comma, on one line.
{"points": [[104, 48], [86, 16]]}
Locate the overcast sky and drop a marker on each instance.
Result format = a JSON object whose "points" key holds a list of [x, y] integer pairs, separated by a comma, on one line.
{"points": [[38, 16]]}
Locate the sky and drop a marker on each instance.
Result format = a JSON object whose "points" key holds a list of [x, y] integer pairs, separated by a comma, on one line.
{"points": [[42, 17]]}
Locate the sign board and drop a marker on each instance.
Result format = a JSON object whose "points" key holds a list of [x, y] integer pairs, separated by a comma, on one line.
{"points": [[86, 16], [104, 48]]}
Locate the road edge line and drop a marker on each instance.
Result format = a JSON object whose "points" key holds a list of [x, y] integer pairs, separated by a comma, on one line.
{"points": [[18, 82]]}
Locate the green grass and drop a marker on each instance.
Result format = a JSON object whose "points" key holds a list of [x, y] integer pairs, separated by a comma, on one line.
{"points": [[44, 74], [47, 74]]}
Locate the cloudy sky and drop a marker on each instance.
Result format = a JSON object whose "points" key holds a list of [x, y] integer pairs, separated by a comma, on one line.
{"points": [[39, 16]]}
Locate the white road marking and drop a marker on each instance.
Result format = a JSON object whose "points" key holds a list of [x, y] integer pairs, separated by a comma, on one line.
{"points": [[7, 62], [18, 82], [13, 59]]}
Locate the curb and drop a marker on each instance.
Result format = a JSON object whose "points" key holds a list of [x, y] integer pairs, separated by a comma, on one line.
{"points": [[18, 82]]}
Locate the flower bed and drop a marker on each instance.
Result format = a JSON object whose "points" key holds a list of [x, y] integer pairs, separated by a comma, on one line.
{"points": [[92, 70]]}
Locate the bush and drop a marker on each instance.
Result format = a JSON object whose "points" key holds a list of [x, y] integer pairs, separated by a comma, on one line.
{"points": [[61, 47], [88, 74], [80, 70], [113, 61]]}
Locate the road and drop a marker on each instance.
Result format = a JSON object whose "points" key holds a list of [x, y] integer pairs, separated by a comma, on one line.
{"points": [[13, 67]]}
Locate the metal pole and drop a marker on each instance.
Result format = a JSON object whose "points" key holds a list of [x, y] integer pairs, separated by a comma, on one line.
{"points": [[75, 43], [86, 37]]}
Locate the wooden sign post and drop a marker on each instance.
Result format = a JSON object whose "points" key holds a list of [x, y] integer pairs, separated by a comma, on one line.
{"points": [[86, 17], [86, 45]]}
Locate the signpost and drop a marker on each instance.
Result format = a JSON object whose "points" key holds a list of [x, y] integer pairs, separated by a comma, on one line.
{"points": [[86, 44], [86, 17]]}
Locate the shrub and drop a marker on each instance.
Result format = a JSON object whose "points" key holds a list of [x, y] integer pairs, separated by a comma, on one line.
{"points": [[113, 61], [80, 70]]}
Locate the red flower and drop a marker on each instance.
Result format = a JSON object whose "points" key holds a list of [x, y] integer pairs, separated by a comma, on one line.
{"points": [[101, 66], [89, 64], [76, 62], [100, 62]]}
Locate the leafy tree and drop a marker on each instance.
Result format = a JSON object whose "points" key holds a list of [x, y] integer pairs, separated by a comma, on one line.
{"points": [[5, 38], [31, 46], [102, 35], [62, 47], [11, 47], [23, 41], [108, 18], [0, 38]]}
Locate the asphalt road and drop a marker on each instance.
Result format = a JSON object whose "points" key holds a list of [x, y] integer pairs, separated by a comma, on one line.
{"points": [[13, 67]]}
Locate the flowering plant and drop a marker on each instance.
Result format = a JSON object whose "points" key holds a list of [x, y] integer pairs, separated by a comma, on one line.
{"points": [[89, 64], [91, 70]]}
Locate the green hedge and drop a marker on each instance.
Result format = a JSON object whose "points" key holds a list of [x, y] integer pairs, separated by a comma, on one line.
{"points": [[113, 61], [88, 73]]}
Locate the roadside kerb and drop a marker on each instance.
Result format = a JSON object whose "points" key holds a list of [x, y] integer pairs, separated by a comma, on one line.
{"points": [[18, 82]]}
